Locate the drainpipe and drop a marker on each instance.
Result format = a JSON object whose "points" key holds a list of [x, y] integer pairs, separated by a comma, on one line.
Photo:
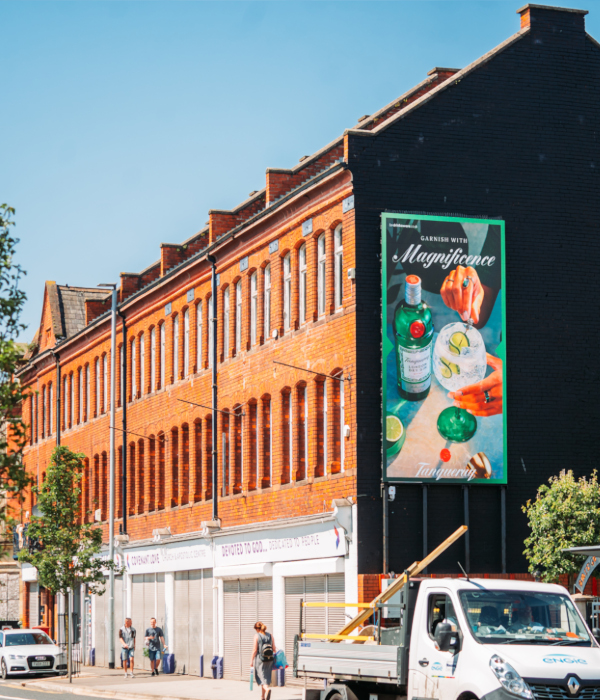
{"points": [[124, 402], [215, 496]]}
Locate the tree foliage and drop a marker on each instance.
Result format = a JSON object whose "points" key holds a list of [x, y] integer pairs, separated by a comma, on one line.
{"points": [[13, 477], [566, 513], [63, 548]]}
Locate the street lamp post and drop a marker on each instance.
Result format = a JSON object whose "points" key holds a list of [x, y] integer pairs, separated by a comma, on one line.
{"points": [[111, 480]]}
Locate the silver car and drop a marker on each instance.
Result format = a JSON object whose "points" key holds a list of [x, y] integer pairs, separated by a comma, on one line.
{"points": [[29, 652]]}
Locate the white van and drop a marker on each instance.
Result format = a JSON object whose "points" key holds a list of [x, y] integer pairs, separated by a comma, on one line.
{"points": [[464, 639]]}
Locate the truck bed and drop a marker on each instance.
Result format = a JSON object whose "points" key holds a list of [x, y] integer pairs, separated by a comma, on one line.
{"points": [[374, 662]]}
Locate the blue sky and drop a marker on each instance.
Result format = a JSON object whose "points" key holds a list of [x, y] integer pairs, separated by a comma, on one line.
{"points": [[123, 123]]}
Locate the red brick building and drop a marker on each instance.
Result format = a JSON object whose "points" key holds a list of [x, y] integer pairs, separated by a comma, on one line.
{"points": [[299, 361]]}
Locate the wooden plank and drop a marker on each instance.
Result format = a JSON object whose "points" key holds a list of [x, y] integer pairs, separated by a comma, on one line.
{"points": [[337, 637], [412, 570], [337, 605]]}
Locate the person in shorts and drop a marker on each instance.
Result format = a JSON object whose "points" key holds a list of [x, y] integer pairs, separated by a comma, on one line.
{"points": [[127, 639], [154, 636]]}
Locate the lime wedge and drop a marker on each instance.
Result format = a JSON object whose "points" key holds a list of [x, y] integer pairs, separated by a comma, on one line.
{"points": [[458, 341], [393, 429]]}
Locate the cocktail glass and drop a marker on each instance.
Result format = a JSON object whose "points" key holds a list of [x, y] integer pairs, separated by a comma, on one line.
{"points": [[459, 359]]}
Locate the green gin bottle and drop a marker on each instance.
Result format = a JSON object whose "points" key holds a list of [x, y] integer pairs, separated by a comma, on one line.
{"points": [[413, 332]]}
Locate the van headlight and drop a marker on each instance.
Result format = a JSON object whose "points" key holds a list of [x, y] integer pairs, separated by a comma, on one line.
{"points": [[509, 678]]}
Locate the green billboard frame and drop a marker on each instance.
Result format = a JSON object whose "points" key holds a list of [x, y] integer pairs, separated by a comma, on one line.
{"points": [[500, 350]]}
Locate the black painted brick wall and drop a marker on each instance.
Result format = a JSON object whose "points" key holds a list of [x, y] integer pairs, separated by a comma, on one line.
{"points": [[517, 139]]}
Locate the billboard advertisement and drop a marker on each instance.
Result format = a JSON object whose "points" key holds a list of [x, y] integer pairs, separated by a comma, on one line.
{"points": [[444, 335]]}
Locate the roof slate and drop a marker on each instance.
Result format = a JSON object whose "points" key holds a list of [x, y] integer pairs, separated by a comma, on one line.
{"points": [[72, 307]]}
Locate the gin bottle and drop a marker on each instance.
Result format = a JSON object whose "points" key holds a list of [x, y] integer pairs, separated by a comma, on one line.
{"points": [[413, 332]]}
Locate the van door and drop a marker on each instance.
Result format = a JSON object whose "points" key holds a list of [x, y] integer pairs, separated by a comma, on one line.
{"points": [[434, 672]]}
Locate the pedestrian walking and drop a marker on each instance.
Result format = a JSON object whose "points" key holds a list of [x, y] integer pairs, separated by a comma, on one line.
{"points": [[263, 658], [127, 639], [154, 636]]}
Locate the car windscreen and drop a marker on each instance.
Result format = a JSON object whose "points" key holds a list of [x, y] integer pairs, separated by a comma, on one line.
{"points": [[22, 639], [523, 617]]}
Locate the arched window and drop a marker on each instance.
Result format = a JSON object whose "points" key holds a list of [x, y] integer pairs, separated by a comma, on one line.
{"points": [[162, 359], [199, 328], [153, 360], [186, 342], [51, 408], [184, 476], [71, 399], [238, 317], [226, 324], [210, 331], [43, 412], [97, 369], [321, 260], [142, 363], [267, 303], [88, 389], [267, 446], [105, 370], [253, 308], [65, 416], [338, 251], [176, 348], [80, 392], [302, 282], [141, 478], [287, 292], [133, 371]]}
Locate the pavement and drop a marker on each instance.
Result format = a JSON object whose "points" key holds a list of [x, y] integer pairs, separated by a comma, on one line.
{"points": [[103, 682]]}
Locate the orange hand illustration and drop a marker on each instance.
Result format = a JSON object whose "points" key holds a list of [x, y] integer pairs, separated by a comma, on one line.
{"points": [[462, 292], [485, 397]]}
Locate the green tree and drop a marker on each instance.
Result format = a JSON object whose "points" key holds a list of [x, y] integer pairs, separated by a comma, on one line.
{"points": [[566, 513], [13, 477], [63, 548]]}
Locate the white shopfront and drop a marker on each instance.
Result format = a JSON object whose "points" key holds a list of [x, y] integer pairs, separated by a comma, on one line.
{"points": [[263, 575], [206, 593]]}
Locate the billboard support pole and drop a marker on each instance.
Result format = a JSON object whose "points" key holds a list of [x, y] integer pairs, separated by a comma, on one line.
{"points": [[386, 539], [424, 524], [467, 533], [503, 526]]}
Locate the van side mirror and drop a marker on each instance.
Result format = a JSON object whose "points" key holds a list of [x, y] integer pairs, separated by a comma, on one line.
{"points": [[446, 638], [596, 633]]}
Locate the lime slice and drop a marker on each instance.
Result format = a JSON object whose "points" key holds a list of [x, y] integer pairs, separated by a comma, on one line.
{"points": [[454, 368], [446, 372], [393, 429], [458, 341]]}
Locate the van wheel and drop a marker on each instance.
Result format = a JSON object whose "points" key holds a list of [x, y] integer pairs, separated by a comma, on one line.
{"points": [[3, 670]]}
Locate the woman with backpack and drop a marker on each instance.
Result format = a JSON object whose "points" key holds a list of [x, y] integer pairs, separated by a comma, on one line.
{"points": [[263, 658]]}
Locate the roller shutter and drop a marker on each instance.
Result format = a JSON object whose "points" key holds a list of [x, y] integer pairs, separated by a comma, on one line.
{"points": [[195, 622], [99, 628], [34, 604], [207, 620], [180, 645], [231, 640], [245, 601], [312, 589]]}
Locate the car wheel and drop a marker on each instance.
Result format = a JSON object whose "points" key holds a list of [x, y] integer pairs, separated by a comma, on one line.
{"points": [[3, 670]]}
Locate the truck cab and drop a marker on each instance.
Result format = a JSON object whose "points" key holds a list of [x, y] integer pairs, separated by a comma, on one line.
{"points": [[463, 639]]}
